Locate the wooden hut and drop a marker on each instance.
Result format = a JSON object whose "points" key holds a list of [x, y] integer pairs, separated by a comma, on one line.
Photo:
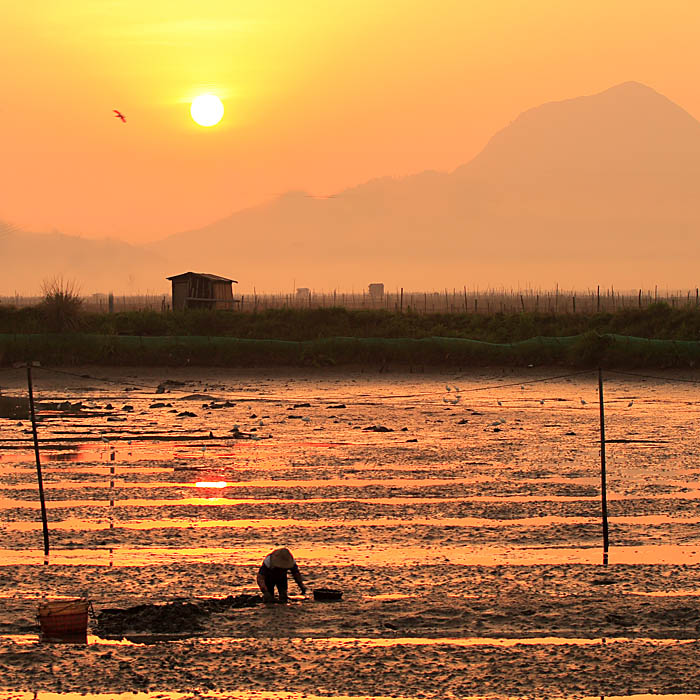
{"points": [[196, 290]]}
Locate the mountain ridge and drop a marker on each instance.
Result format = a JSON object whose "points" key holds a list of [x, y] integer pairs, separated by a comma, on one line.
{"points": [[600, 188]]}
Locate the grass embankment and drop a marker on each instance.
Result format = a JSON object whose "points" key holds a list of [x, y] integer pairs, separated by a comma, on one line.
{"points": [[657, 336]]}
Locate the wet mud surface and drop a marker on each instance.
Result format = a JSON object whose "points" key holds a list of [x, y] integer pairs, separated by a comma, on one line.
{"points": [[470, 560]]}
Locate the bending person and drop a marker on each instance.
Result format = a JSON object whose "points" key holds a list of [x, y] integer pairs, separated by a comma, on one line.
{"points": [[273, 572]]}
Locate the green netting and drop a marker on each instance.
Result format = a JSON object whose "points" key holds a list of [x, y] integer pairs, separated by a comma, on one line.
{"points": [[587, 350]]}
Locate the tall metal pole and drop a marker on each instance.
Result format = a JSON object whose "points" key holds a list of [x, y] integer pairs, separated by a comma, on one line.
{"points": [[38, 460], [603, 484]]}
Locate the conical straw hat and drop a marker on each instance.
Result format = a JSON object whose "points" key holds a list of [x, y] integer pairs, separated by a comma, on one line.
{"points": [[282, 558]]}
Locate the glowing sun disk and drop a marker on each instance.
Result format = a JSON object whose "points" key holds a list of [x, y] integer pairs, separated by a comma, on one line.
{"points": [[207, 110]]}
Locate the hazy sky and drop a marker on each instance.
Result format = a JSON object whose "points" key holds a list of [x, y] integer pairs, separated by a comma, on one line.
{"points": [[318, 95]]}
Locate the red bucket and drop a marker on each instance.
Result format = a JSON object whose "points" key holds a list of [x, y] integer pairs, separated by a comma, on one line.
{"points": [[64, 620]]}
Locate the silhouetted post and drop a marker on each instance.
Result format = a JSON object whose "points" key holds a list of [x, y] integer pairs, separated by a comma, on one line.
{"points": [[401, 303], [522, 303], [466, 307], [603, 483], [112, 457], [573, 303], [32, 415], [110, 303], [640, 298]]}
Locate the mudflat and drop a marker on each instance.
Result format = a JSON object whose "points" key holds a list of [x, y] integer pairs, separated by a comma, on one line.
{"points": [[459, 513]]}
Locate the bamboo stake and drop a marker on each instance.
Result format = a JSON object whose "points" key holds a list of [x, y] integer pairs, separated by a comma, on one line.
{"points": [[32, 414], [603, 480]]}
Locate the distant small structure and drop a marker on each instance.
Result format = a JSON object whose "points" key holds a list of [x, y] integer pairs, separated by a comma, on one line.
{"points": [[197, 290], [376, 291], [303, 293]]}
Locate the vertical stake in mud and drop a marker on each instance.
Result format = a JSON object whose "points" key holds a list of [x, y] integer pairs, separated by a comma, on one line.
{"points": [[603, 484], [38, 460]]}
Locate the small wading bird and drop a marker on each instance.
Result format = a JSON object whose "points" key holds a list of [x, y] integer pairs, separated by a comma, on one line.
{"points": [[119, 115]]}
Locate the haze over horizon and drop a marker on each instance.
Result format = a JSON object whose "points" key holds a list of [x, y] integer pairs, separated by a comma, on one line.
{"points": [[392, 119]]}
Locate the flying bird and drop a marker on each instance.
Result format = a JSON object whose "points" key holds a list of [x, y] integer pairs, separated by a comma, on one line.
{"points": [[119, 115]]}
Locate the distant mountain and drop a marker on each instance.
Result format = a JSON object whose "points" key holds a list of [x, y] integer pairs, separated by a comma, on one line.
{"points": [[28, 259], [597, 189], [594, 189]]}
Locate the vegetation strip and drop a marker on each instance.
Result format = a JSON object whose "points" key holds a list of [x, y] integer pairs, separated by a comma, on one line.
{"points": [[585, 350]]}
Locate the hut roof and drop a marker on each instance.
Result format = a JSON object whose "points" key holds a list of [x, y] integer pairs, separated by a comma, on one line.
{"points": [[206, 275]]}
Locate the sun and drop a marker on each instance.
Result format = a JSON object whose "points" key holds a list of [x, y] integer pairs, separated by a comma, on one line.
{"points": [[207, 110]]}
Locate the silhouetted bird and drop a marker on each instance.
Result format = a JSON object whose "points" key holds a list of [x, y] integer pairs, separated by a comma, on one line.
{"points": [[119, 115]]}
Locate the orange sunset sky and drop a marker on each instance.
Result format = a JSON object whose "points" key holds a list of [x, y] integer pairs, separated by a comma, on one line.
{"points": [[318, 95]]}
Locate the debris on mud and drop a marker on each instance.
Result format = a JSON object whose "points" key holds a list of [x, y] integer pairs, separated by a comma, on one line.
{"points": [[240, 435], [169, 618]]}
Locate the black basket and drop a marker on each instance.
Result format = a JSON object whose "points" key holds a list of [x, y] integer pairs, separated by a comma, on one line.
{"points": [[327, 594]]}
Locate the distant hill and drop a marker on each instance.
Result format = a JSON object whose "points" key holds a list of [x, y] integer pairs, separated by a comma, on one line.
{"points": [[28, 259], [596, 189], [593, 189]]}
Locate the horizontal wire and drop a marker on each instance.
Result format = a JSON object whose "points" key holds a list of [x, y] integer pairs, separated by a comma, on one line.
{"points": [[651, 376], [427, 393]]}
